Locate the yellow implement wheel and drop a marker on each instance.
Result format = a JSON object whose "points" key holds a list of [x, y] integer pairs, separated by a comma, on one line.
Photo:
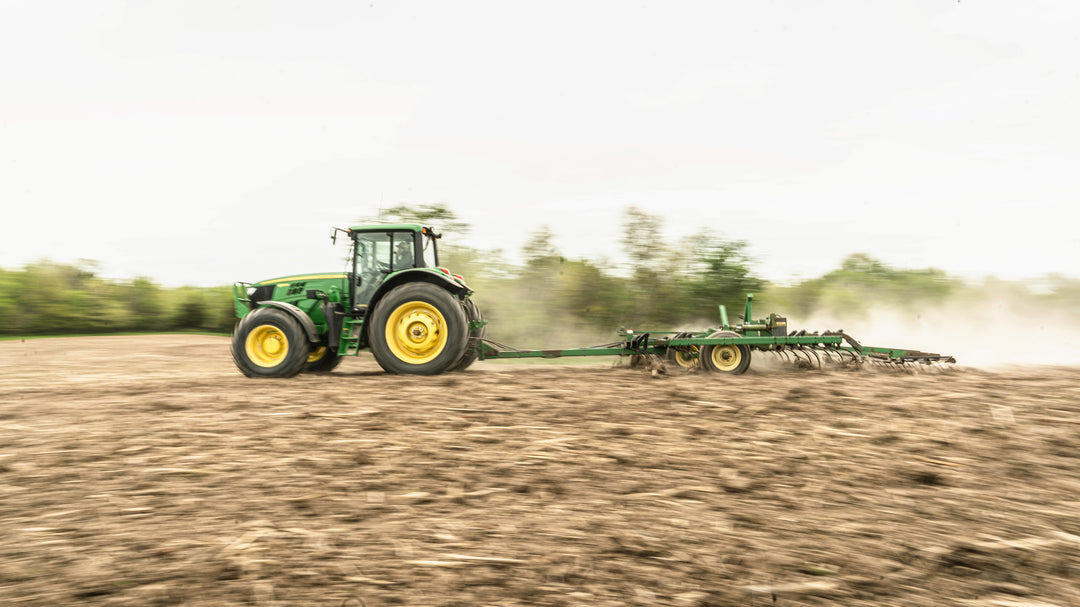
{"points": [[726, 358], [416, 332], [686, 359], [266, 346]]}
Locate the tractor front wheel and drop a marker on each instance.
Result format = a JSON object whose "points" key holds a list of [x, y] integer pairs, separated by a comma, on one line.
{"points": [[418, 328], [269, 343], [734, 359]]}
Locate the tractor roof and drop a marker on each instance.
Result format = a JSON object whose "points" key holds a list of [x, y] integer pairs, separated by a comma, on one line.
{"points": [[388, 227]]}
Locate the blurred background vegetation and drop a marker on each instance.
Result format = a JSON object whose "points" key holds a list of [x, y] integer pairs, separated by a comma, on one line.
{"points": [[47, 298], [547, 300]]}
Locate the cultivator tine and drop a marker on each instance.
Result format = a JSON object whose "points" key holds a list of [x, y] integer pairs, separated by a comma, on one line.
{"points": [[856, 359], [799, 351]]}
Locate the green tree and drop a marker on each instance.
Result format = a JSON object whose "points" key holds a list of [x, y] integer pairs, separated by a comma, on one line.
{"points": [[713, 271], [862, 284], [438, 215], [144, 305], [642, 238], [650, 290], [189, 311]]}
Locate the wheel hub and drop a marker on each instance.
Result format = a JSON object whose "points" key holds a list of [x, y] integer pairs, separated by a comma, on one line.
{"points": [[415, 332], [726, 358], [266, 346]]}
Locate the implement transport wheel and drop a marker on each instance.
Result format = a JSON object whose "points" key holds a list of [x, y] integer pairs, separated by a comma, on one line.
{"points": [[321, 360], [734, 359], [472, 350], [269, 343], [685, 358], [418, 328]]}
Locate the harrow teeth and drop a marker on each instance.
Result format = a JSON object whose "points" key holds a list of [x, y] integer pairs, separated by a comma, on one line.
{"points": [[822, 355]]}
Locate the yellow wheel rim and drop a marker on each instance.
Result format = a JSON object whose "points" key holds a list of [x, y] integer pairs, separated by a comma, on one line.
{"points": [[416, 332], [266, 346], [317, 354], [726, 358], [686, 359]]}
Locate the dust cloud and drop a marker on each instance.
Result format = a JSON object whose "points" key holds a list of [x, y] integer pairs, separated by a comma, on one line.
{"points": [[996, 331], [991, 330], [981, 326]]}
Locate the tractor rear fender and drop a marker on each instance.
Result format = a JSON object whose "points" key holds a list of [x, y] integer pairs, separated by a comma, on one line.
{"points": [[413, 275], [302, 318]]}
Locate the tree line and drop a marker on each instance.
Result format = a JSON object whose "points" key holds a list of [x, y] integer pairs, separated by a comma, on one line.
{"points": [[546, 300], [48, 298], [550, 300]]}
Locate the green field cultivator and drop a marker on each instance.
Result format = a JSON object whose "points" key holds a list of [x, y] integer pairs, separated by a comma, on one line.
{"points": [[728, 348], [417, 317]]}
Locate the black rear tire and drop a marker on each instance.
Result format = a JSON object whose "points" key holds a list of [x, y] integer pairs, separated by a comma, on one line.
{"points": [[269, 343], [472, 349], [418, 328]]}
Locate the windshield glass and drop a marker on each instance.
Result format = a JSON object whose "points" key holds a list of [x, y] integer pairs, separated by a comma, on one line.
{"points": [[373, 252], [386, 251]]}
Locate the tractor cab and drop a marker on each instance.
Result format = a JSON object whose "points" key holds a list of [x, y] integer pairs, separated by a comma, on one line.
{"points": [[379, 251]]}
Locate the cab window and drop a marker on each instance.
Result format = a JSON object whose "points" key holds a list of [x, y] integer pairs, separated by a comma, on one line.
{"points": [[430, 258], [403, 251], [374, 252]]}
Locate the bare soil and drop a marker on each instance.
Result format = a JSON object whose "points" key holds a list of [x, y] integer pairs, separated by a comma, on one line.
{"points": [[148, 471]]}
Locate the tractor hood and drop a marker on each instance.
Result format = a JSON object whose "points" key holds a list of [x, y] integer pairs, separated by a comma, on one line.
{"points": [[285, 280]]}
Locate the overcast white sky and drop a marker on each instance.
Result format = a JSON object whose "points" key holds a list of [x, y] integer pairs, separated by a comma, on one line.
{"points": [[206, 142]]}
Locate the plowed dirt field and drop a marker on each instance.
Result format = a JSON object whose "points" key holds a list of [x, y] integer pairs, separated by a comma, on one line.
{"points": [[148, 471]]}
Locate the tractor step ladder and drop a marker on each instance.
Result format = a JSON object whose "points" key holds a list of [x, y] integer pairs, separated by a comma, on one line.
{"points": [[350, 336]]}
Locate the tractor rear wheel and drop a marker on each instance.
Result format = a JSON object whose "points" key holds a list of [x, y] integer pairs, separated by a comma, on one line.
{"points": [[321, 360], [472, 350], [418, 328], [269, 343], [734, 359]]}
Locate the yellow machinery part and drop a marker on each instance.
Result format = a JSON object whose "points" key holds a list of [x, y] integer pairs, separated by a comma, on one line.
{"points": [[416, 332], [266, 346]]}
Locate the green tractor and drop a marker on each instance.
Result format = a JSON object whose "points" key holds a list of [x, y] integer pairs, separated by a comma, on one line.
{"points": [[414, 315]]}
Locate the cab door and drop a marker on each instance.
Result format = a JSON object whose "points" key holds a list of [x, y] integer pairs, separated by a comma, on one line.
{"points": [[379, 254], [372, 258]]}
